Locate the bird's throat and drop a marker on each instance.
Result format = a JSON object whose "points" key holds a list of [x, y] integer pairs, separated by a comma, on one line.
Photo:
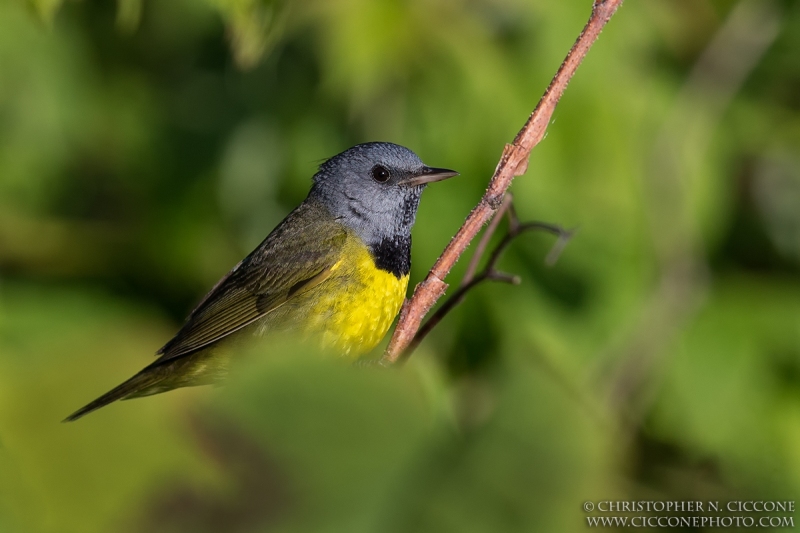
{"points": [[393, 254]]}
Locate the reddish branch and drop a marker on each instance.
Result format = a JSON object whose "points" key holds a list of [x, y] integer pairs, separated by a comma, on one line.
{"points": [[472, 278], [513, 162]]}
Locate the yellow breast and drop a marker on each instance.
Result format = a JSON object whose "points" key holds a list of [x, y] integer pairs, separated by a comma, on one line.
{"points": [[354, 308]]}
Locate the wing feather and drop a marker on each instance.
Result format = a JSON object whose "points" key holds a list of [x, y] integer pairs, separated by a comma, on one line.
{"points": [[296, 256]]}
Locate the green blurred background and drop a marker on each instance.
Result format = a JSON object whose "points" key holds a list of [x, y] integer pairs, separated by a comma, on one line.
{"points": [[145, 147]]}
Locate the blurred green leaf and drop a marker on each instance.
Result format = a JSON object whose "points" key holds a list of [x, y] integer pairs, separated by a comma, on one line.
{"points": [[148, 146], [254, 27]]}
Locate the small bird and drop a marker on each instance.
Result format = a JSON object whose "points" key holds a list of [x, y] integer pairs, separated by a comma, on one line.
{"points": [[336, 268]]}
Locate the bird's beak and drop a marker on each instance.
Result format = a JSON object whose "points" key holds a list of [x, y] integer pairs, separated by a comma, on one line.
{"points": [[428, 175]]}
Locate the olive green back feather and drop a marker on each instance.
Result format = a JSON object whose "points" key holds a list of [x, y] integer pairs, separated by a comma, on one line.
{"points": [[292, 259]]}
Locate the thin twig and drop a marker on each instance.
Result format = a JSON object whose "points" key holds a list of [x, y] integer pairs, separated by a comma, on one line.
{"points": [[513, 162], [472, 268], [490, 272]]}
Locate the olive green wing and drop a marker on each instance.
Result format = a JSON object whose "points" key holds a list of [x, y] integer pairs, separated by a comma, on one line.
{"points": [[296, 256]]}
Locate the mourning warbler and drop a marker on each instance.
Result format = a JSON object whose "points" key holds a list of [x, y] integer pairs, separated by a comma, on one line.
{"points": [[335, 269]]}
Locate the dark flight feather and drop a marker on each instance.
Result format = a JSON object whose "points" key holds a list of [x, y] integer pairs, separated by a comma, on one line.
{"points": [[293, 258]]}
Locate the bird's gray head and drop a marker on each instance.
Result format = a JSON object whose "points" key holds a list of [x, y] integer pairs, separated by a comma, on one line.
{"points": [[374, 189]]}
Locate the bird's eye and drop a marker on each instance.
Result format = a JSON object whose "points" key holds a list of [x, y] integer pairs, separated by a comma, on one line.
{"points": [[380, 174]]}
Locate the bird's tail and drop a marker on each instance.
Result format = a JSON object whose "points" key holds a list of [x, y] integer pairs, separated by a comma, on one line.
{"points": [[135, 386]]}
